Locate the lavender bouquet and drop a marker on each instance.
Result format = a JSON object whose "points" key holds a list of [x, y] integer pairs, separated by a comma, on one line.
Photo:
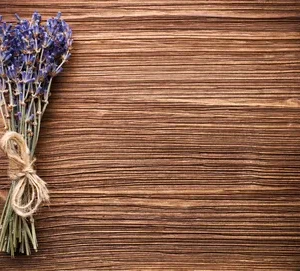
{"points": [[31, 55]]}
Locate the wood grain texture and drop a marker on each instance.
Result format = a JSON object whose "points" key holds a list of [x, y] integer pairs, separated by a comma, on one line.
{"points": [[172, 138]]}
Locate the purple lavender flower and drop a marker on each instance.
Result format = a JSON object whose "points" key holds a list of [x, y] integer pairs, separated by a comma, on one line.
{"points": [[12, 72], [27, 76], [31, 54]]}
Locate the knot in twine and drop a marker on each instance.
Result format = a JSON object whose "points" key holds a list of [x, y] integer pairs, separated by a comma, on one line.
{"points": [[29, 189]]}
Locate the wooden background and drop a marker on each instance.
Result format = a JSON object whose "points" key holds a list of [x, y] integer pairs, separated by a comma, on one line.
{"points": [[172, 138]]}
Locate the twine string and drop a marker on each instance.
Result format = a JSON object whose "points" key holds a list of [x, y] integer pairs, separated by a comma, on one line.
{"points": [[29, 190]]}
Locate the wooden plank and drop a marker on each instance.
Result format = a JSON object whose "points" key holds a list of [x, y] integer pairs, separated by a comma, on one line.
{"points": [[172, 138]]}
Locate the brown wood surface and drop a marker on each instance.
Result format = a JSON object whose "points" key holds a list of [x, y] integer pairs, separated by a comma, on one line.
{"points": [[172, 138]]}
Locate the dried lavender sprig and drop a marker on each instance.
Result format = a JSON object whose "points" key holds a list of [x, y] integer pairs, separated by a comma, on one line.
{"points": [[31, 54]]}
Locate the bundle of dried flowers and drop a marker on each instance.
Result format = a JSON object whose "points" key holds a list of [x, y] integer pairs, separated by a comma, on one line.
{"points": [[31, 54]]}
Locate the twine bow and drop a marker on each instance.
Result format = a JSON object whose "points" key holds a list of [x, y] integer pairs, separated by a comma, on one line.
{"points": [[29, 189]]}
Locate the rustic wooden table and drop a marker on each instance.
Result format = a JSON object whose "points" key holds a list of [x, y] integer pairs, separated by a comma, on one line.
{"points": [[172, 138]]}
